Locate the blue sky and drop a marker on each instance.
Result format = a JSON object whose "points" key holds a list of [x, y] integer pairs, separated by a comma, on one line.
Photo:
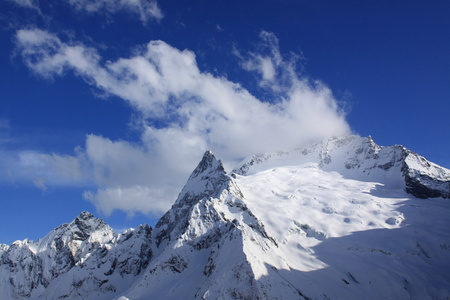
{"points": [[107, 106]]}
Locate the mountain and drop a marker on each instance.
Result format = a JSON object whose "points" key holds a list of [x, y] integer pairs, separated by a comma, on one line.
{"points": [[341, 219], [80, 260], [360, 158]]}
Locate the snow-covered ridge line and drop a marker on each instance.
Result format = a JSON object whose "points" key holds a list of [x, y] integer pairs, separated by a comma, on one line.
{"points": [[278, 227], [361, 158], [84, 257], [209, 180]]}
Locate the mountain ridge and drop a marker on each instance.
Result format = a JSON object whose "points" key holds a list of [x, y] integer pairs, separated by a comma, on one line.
{"points": [[277, 227], [423, 179]]}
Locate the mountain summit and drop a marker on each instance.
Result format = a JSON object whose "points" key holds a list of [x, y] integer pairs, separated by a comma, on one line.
{"points": [[341, 219], [362, 159]]}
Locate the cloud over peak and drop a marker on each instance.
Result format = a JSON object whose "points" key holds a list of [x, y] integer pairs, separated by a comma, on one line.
{"points": [[184, 111]]}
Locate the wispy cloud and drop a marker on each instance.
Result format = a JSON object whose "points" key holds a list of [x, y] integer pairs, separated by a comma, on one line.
{"points": [[184, 112], [26, 3], [43, 169], [276, 72], [146, 9], [29, 4], [130, 199]]}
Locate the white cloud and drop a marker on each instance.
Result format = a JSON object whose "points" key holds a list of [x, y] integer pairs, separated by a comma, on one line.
{"points": [[33, 4], [276, 72], [129, 199], [55, 169], [146, 9], [44, 169], [200, 112], [48, 56]]}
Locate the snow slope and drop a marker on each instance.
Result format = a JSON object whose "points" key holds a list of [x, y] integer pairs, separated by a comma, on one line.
{"points": [[348, 239], [362, 159], [342, 219]]}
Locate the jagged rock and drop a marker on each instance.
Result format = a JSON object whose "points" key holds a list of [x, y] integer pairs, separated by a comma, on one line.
{"points": [[47, 268]]}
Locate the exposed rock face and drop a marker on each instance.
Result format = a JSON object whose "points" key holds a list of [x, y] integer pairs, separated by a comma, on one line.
{"points": [[208, 180], [75, 260], [423, 179]]}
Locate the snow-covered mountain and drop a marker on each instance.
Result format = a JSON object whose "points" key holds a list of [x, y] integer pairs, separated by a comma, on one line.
{"points": [[342, 219], [80, 260], [361, 159]]}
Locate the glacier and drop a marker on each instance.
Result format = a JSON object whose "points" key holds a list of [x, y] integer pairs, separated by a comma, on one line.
{"points": [[341, 219]]}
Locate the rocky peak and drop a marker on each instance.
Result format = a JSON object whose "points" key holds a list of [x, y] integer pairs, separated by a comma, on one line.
{"points": [[85, 215], [208, 164], [208, 180], [424, 179], [85, 224], [3, 248]]}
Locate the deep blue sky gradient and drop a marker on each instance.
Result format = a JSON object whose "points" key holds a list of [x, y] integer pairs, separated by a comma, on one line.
{"points": [[387, 62]]}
